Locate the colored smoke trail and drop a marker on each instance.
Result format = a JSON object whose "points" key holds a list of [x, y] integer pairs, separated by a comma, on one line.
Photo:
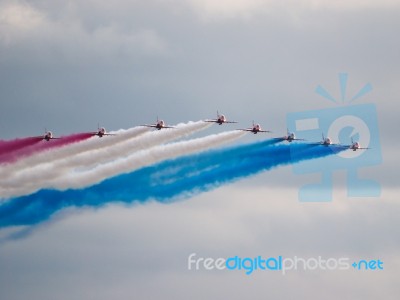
{"points": [[28, 163], [43, 146], [8, 147], [98, 150], [36, 176], [169, 180], [44, 178]]}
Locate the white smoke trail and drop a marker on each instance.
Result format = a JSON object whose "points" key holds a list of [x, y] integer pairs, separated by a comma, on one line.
{"points": [[51, 170], [127, 164]]}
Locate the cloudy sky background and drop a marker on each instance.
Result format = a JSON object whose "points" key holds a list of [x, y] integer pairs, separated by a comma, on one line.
{"points": [[69, 65]]}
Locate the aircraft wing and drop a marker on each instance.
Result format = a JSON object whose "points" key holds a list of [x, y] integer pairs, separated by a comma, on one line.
{"points": [[97, 133], [155, 126], [43, 138], [322, 144], [217, 121], [350, 147], [251, 130]]}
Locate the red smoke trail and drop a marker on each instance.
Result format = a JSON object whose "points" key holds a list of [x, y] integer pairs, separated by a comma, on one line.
{"points": [[17, 144], [42, 145]]}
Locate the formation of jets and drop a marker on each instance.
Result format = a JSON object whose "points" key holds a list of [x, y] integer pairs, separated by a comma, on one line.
{"points": [[221, 119]]}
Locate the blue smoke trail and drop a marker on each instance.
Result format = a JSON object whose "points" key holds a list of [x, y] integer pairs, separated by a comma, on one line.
{"points": [[166, 181]]}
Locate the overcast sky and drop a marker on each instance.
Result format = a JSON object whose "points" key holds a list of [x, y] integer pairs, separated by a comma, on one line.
{"points": [[69, 65]]}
